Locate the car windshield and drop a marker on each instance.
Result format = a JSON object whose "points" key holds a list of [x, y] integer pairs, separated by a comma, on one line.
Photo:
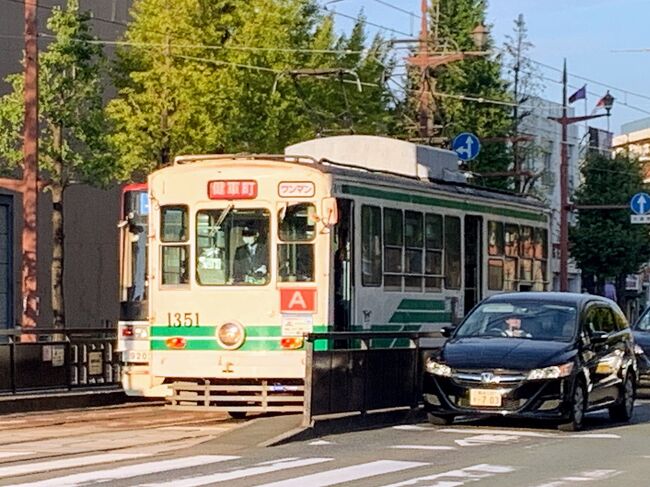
{"points": [[643, 324], [532, 320]]}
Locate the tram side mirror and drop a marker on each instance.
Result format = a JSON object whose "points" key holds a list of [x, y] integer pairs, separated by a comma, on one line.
{"points": [[330, 212]]}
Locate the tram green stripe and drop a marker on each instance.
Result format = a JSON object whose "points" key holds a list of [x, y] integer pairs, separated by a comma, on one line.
{"points": [[422, 304], [439, 202], [209, 345], [420, 317], [210, 331]]}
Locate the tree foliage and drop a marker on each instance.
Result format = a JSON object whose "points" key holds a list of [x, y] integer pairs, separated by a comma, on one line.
{"points": [[72, 144], [201, 76], [604, 242]]}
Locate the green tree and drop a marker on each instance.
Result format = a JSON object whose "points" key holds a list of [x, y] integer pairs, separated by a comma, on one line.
{"points": [[476, 77], [71, 138], [220, 76], [604, 243]]}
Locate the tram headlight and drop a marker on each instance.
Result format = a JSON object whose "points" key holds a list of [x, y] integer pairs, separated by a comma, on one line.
{"points": [[231, 335]]}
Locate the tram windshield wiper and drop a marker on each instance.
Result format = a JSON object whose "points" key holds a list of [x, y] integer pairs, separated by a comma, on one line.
{"points": [[223, 215]]}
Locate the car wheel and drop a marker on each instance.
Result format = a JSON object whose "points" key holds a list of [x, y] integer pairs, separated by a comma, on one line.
{"points": [[622, 411], [578, 408], [439, 420], [237, 414]]}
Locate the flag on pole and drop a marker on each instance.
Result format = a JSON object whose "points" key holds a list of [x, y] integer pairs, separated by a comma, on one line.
{"points": [[602, 103], [581, 94]]}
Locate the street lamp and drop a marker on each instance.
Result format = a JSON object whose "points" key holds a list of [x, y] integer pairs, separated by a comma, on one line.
{"points": [[565, 206]]}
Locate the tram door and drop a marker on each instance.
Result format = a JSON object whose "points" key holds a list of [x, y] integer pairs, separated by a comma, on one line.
{"points": [[343, 259], [473, 278]]}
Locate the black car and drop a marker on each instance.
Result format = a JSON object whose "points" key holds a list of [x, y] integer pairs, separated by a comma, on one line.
{"points": [[641, 331], [535, 355]]}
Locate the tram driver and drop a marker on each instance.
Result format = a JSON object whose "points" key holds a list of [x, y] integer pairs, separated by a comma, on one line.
{"points": [[250, 264]]}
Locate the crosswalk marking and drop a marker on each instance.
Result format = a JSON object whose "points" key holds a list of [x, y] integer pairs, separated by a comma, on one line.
{"points": [[346, 474], [29, 468], [12, 454], [456, 478], [129, 471], [531, 434], [238, 474]]}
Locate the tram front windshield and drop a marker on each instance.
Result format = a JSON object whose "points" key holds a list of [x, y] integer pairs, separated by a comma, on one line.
{"points": [[232, 247]]}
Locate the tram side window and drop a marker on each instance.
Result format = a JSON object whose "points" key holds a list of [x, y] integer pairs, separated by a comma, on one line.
{"points": [[393, 249], [371, 257], [452, 252], [413, 243], [434, 246], [296, 227], [518, 257], [175, 258]]}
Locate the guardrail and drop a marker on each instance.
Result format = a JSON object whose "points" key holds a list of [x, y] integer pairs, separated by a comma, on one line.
{"points": [[58, 359], [364, 371]]}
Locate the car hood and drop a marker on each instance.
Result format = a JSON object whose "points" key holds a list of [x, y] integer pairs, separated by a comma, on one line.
{"points": [[504, 353]]}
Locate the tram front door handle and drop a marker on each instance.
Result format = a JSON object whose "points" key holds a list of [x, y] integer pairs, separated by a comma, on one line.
{"points": [[366, 316]]}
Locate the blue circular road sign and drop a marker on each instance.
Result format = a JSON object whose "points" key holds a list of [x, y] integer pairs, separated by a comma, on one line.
{"points": [[466, 146], [640, 203]]}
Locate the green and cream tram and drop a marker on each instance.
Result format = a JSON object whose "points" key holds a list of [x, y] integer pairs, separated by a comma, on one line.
{"points": [[249, 253]]}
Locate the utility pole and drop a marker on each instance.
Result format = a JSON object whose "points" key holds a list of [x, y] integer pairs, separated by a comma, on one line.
{"points": [[30, 167], [565, 205], [428, 58]]}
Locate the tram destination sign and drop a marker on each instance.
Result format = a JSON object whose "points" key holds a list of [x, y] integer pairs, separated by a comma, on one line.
{"points": [[232, 190]]}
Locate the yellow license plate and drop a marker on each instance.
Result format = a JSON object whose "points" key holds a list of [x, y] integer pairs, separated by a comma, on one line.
{"points": [[484, 397]]}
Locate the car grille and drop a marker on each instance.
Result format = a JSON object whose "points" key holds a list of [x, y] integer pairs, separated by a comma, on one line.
{"points": [[488, 378]]}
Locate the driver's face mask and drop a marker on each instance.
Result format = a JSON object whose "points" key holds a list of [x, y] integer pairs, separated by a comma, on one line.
{"points": [[248, 239]]}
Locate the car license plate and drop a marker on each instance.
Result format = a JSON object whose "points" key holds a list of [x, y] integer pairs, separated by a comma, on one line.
{"points": [[484, 397], [136, 356]]}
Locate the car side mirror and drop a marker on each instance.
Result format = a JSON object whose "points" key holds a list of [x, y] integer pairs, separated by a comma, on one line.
{"points": [[446, 331], [598, 337]]}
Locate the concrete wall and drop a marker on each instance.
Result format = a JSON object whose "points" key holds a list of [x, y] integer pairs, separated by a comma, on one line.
{"points": [[90, 260]]}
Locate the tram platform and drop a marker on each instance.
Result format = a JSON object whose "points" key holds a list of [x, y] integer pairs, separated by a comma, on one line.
{"points": [[31, 401]]}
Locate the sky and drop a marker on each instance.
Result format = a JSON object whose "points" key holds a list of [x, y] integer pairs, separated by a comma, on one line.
{"points": [[585, 32]]}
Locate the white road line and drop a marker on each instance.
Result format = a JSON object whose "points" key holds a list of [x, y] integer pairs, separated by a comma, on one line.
{"points": [[423, 447], [346, 474], [413, 427], [11, 454], [587, 476], [531, 434], [454, 478], [238, 474], [320, 442], [29, 468], [130, 471], [596, 435]]}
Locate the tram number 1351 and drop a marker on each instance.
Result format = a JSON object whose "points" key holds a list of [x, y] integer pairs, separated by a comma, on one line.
{"points": [[182, 319]]}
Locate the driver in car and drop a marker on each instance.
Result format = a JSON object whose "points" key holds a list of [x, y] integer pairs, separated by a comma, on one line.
{"points": [[513, 328]]}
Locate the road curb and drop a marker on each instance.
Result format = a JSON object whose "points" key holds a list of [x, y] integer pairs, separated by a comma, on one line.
{"points": [[347, 423]]}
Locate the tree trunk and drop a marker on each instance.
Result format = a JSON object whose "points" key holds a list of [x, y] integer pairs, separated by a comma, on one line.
{"points": [[58, 305]]}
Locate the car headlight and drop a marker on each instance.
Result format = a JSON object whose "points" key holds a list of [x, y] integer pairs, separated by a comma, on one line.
{"points": [[437, 368], [638, 350], [231, 335], [553, 372]]}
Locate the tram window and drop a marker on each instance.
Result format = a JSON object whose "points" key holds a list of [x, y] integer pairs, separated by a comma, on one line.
{"points": [[232, 247], [525, 269], [540, 243], [510, 274], [393, 240], [297, 223], [495, 238], [414, 243], [512, 240], [526, 239], [433, 239], [296, 262], [371, 265], [175, 264], [495, 274], [173, 224], [452, 252]]}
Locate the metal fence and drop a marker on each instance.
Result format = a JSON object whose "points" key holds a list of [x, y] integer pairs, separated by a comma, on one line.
{"points": [[362, 372], [58, 359]]}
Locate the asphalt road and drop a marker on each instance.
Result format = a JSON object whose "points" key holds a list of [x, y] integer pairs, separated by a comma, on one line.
{"points": [[486, 453]]}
